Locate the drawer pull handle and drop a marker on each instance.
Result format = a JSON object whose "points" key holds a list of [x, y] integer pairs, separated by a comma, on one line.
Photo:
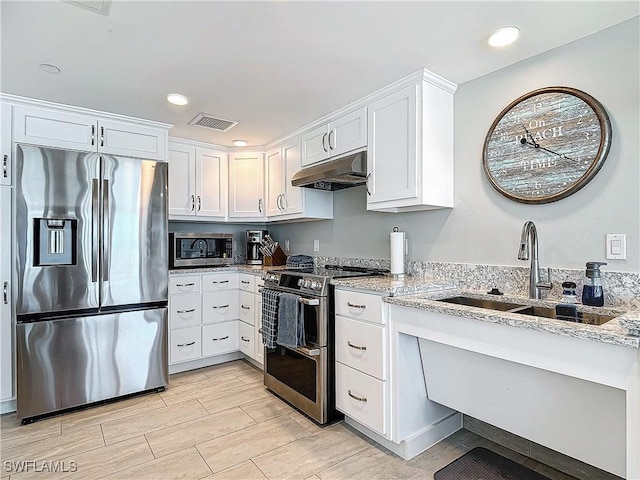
{"points": [[220, 306], [186, 311], [5, 292], [245, 339], [185, 284], [360, 399], [186, 344], [221, 338], [357, 347], [221, 281], [245, 282], [245, 307], [353, 305]]}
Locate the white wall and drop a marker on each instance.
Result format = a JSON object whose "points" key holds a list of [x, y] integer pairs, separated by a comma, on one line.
{"points": [[484, 227]]}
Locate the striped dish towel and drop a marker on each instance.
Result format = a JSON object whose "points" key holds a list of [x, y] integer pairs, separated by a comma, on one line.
{"points": [[270, 300]]}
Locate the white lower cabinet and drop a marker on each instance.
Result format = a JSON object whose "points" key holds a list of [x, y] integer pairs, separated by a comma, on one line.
{"points": [[246, 339], [185, 310], [185, 344], [362, 389], [219, 306], [219, 338]]}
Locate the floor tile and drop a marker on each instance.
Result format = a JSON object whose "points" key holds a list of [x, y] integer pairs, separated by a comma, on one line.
{"points": [[209, 388], [351, 467], [244, 471], [547, 471], [250, 376], [312, 454], [243, 445], [185, 464], [141, 423], [216, 371], [305, 422], [233, 397], [13, 434], [266, 408], [56, 448], [188, 434], [184, 378], [110, 411], [93, 463]]}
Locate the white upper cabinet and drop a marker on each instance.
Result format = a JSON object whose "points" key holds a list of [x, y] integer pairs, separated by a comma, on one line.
{"points": [[197, 182], [5, 144], [78, 131], [339, 136], [246, 186], [284, 201], [410, 147]]}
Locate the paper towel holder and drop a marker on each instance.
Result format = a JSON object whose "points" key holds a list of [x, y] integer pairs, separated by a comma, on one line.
{"points": [[399, 275]]}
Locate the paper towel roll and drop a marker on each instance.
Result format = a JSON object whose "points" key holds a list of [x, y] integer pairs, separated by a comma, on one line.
{"points": [[396, 243]]}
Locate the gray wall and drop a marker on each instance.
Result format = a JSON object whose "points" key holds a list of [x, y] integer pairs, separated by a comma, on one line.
{"points": [[484, 227]]}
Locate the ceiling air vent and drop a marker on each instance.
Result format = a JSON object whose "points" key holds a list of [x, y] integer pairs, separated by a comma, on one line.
{"points": [[209, 121]]}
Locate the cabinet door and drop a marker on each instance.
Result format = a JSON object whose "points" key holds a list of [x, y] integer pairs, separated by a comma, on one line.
{"points": [[6, 317], [274, 182], [39, 126], [185, 344], [246, 339], [185, 310], [246, 185], [362, 398], [292, 161], [348, 132], [259, 345], [219, 306], [246, 282], [182, 174], [246, 307], [211, 183], [315, 145], [392, 161], [5, 144], [130, 140], [361, 346], [219, 338]]}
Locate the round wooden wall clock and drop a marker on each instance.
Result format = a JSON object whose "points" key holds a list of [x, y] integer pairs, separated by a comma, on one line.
{"points": [[546, 145]]}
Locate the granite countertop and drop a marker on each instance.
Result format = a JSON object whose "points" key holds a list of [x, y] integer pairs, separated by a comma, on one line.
{"points": [[423, 293]]}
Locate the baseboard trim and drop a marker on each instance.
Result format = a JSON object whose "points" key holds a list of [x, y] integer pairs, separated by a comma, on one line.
{"points": [[8, 406], [204, 362]]}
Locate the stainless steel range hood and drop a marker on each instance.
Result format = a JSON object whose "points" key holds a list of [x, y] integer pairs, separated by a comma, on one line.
{"points": [[343, 172]]}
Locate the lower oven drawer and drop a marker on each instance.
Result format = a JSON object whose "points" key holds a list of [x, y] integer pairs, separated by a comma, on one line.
{"points": [[362, 398]]}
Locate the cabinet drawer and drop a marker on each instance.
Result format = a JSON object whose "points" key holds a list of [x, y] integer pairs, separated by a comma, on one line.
{"points": [[184, 284], [185, 344], [246, 339], [219, 306], [361, 346], [246, 282], [185, 310], [359, 305], [219, 338], [219, 281], [259, 346], [361, 397], [246, 307], [259, 285]]}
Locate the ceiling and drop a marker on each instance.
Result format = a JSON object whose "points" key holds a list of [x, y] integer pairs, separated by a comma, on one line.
{"points": [[273, 66]]}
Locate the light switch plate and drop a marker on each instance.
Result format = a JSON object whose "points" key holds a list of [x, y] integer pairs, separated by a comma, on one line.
{"points": [[616, 244], [316, 245], [286, 245]]}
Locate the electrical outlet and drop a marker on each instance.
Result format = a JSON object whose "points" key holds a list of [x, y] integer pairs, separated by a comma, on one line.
{"points": [[286, 245], [316, 245]]}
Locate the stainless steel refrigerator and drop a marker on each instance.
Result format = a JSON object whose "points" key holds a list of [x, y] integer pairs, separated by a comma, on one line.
{"points": [[91, 234]]}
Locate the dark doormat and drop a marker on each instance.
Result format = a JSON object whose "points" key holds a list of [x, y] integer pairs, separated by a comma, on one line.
{"points": [[483, 464]]}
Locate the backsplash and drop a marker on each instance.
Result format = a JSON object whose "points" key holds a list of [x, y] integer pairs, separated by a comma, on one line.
{"points": [[621, 289]]}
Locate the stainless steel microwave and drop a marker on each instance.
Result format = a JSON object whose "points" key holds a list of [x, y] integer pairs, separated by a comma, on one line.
{"points": [[193, 250]]}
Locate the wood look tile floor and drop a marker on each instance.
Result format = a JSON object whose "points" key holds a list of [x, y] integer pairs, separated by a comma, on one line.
{"points": [[214, 423]]}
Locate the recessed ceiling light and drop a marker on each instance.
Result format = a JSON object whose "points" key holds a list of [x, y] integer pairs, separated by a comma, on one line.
{"points": [[240, 143], [177, 99], [504, 36], [47, 67]]}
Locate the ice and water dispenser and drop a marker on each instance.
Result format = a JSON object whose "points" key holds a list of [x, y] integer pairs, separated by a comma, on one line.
{"points": [[55, 241]]}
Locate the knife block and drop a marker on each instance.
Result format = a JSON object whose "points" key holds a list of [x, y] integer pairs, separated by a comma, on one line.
{"points": [[278, 258]]}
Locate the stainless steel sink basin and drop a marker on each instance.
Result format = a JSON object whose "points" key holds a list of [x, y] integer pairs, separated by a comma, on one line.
{"points": [[536, 311], [482, 303]]}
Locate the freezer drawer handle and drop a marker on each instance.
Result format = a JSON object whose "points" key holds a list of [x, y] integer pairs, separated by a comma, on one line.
{"points": [[186, 344], [245, 339], [220, 306], [360, 399], [353, 305], [186, 311], [245, 307], [4, 166], [185, 284], [357, 347], [5, 292], [221, 338]]}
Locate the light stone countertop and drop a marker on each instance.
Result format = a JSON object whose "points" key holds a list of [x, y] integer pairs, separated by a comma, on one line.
{"points": [[421, 293]]}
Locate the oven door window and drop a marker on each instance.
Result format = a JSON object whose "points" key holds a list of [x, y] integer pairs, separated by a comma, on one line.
{"points": [[294, 370]]}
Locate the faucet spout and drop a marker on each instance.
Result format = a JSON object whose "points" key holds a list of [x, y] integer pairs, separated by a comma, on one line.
{"points": [[529, 249]]}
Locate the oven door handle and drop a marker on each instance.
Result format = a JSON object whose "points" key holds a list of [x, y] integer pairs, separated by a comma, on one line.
{"points": [[309, 301], [309, 352]]}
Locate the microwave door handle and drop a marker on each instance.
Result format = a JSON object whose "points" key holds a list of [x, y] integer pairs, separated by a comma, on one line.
{"points": [[95, 222], [106, 233]]}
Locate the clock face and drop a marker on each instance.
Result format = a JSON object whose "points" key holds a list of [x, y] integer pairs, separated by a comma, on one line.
{"points": [[546, 145]]}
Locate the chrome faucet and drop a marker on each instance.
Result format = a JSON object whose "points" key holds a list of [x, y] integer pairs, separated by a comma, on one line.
{"points": [[529, 241]]}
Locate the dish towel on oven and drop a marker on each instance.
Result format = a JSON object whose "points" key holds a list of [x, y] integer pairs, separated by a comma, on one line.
{"points": [[270, 317], [290, 321]]}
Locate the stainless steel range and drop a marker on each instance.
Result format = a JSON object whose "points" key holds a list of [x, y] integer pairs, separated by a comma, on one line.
{"points": [[305, 377]]}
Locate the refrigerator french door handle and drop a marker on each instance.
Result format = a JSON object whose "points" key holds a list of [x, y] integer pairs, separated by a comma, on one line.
{"points": [[106, 234], [95, 230]]}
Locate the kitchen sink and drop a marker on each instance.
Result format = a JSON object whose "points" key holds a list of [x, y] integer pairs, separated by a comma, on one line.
{"points": [[531, 310], [482, 303]]}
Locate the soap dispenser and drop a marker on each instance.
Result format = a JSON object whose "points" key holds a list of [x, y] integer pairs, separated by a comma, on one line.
{"points": [[592, 293]]}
